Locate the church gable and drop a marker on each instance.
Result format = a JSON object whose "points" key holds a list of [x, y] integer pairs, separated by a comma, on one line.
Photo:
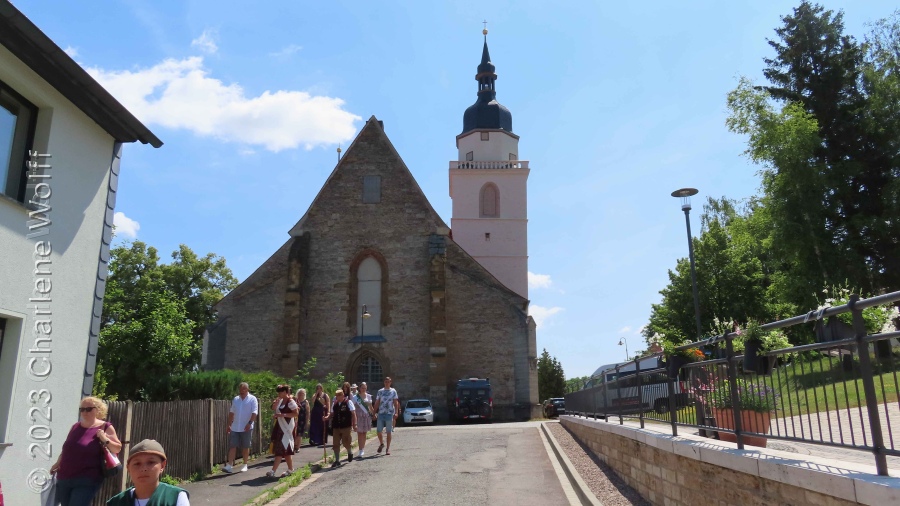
{"points": [[369, 181]]}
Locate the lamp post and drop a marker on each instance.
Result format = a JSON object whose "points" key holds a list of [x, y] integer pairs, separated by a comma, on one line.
{"points": [[685, 195], [622, 341], [365, 314]]}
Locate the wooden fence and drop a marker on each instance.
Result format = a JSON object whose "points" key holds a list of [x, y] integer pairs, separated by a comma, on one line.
{"points": [[193, 434]]}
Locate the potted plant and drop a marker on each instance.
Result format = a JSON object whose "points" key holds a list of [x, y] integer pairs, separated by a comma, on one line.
{"points": [[676, 359], [756, 403], [757, 341]]}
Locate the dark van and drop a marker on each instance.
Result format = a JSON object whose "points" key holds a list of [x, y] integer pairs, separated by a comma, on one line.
{"points": [[474, 399]]}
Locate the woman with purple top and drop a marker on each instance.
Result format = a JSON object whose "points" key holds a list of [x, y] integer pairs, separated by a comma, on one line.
{"points": [[79, 469]]}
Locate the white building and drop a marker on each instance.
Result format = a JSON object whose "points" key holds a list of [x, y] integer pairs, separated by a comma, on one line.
{"points": [[489, 186], [61, 138]]}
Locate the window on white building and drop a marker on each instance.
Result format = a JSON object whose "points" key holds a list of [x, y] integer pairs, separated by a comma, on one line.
{"points": [[470, 156], [490, 201], [17, 121], [485, 136]]}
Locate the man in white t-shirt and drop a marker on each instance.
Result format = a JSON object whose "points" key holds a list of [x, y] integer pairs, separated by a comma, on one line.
{"points": [[244, 411], [387, 405]]}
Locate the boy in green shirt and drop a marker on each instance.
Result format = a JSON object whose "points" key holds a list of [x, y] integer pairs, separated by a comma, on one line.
{"points": [[146, 464]]}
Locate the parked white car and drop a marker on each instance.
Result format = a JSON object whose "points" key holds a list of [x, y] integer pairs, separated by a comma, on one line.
{"points": [[418, 411]]}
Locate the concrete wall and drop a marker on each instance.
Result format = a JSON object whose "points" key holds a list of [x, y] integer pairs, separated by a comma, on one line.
{"points": [[669, 470], [52, 383]]}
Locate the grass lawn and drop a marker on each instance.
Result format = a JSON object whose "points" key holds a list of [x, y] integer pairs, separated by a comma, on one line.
{"points": [[823, 385]]}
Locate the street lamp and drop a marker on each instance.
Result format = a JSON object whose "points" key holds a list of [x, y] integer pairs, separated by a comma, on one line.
{"points": [[622, 341], [685, 195], [365, 314]]}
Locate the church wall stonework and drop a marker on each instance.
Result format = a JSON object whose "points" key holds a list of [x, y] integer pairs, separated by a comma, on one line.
{"points": [[487, 335]]}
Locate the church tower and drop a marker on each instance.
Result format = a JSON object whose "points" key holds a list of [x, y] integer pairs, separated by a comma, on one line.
{"points": [[489, 186]]}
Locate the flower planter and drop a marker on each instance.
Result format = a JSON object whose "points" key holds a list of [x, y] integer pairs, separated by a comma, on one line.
{"points": [[675, 363], [751, 356], [752, 421], [766, 364]]}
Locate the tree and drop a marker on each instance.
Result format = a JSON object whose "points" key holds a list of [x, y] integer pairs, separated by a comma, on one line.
{"points": [[149, 340], [826, 132], [575, 384], [154, 315], [551, 378], [731, 276]]}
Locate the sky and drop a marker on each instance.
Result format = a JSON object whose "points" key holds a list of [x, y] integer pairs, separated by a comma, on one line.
{"points": [[616, 104]]}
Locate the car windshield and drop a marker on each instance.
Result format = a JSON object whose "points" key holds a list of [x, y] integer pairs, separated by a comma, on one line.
{"points": [[559, 402], [418, 404]]}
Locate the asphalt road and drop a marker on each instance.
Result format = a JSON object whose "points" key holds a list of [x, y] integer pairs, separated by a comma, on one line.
{"points": [[494, 464]]}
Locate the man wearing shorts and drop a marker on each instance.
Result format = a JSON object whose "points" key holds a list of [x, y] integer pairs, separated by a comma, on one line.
{"points": [[244, 411], [387, 405]]}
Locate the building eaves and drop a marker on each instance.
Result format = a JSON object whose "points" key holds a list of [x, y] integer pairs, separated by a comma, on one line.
{"points": [[29, 44]]}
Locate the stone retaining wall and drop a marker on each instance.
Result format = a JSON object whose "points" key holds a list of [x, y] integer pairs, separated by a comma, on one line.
{"points": [[670, 470]]}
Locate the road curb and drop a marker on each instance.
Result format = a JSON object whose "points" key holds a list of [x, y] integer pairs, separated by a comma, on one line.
{"points": [[584, 493]]}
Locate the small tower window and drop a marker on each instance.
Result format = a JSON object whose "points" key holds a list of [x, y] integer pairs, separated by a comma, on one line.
{"points": [[371, 189], [513, 156], [485, 136], [490, 199], [470, 156]]}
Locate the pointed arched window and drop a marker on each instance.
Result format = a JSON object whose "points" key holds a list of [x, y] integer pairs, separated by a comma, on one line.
{"points": [[368, 276], [490, 201]]}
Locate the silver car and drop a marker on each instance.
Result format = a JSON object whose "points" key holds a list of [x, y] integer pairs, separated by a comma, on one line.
{"points": [[418, 411]]}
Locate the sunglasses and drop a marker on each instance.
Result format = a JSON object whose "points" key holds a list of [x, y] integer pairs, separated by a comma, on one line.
{"points": [[85, 410]]}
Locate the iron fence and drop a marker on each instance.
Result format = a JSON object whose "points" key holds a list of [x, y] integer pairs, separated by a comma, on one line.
{"points": [[841, 392]]}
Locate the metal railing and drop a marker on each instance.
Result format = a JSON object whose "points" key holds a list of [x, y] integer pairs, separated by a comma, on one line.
{"points": [[843, 392], [490, 164]]}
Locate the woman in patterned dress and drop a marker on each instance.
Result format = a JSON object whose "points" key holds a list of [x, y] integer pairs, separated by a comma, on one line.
{"points": [[362, 403], [286, 411], [302, 426]]}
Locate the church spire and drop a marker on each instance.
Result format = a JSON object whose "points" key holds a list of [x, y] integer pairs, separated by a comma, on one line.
{"points": [[486, 112]]}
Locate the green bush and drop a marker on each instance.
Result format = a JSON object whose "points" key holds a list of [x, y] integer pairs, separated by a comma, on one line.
{"points": [[224, 385]]}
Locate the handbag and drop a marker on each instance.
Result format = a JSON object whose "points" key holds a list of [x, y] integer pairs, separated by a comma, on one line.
{"points": [[109, 461], [48, 493], [111, 464]]}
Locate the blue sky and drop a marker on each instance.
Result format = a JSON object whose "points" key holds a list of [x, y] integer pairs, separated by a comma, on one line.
{"points": [[616, 104]]}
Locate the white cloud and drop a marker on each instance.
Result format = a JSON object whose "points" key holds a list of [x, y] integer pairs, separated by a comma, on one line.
{"points": [[125, 226], [180, 94], [286, 51], [538, 281], [624, 330], [542, 314], [206, 41], [71, 51]]}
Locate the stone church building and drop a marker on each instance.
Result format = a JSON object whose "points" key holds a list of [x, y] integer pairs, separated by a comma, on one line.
{"points": [[372, 282]]}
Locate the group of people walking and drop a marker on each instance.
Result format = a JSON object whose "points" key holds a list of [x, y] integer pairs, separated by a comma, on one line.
{"points": [[352, 409], [80, 469]]}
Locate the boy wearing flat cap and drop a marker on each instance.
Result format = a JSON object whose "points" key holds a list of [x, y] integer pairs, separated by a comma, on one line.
{"points": [[146, 463]]}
